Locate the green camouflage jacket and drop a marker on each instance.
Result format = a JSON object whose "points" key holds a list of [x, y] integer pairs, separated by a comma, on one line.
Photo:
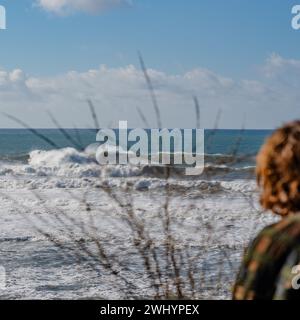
{"points": [[271, 266]]}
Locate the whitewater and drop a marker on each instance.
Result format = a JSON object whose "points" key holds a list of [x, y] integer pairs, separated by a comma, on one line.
{"points": [[57, 193]]}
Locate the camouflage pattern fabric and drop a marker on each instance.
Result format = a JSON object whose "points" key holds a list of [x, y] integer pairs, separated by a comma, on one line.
{"points": [[271, 266]]}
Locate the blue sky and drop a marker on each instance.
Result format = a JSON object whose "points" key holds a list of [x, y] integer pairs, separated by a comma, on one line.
{"points": [[232, 39]]}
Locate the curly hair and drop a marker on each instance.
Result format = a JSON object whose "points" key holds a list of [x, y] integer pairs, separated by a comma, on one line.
{"points": [[278, 170]]}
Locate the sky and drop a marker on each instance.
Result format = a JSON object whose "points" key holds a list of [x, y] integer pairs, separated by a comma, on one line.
{"points": [[241, 58]]}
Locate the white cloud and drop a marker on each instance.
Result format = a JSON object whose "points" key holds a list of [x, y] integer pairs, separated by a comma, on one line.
{"points": [[117, 92], [63, 7], [276, 65]]}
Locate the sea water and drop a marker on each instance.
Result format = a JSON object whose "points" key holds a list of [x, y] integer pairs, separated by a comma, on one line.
{"points": [[44, 190]]}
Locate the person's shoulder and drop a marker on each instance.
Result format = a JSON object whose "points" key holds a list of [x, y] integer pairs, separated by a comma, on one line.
{"points": [[283, 234], [287, 228], [265, 257]]}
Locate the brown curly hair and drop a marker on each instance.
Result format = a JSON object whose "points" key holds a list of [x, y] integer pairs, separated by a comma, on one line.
{"points": [[278, 170]]}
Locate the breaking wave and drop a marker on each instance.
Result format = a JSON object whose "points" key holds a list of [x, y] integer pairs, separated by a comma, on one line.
{"points": [[69, 162]]}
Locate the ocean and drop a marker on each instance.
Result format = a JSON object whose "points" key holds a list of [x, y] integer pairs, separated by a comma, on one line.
{"points": [[57, 191], [16, 144]]}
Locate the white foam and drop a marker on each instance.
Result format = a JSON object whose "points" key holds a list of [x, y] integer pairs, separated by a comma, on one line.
{"points": [[60, 157], [203, 213]]}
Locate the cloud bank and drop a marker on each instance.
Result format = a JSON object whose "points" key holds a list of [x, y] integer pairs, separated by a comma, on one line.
{"points": [[264, 102], [63, 7]]}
